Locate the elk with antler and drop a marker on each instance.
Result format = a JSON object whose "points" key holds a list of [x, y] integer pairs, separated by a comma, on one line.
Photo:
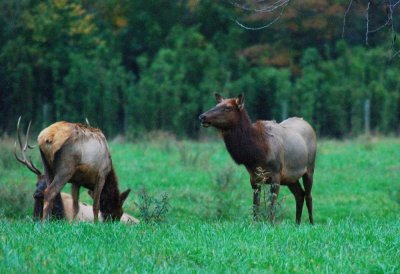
{"points": [[284, 152], [58, 211], [63, 202]]}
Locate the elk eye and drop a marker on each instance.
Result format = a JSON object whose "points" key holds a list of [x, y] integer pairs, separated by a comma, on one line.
{"points": [[228, 109]]}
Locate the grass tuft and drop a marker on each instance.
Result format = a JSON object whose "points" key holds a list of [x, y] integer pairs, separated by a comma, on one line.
{"points": [[152, 210]]}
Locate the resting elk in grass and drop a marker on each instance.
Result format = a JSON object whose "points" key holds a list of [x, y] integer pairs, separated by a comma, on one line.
{"points": [[63, 202], [285, 151], [63, 207]]}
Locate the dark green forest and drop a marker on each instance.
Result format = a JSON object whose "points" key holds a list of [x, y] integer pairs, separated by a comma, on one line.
{"points": [[133, 67]]}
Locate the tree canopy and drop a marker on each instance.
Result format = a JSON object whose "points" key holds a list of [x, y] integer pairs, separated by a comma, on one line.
{"points": [[132, 67]]}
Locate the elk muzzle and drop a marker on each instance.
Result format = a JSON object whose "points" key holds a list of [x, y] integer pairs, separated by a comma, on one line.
{"points": [[203, 120]]}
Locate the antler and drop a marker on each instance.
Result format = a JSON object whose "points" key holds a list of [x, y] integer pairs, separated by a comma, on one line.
{"points": [[24, 161]]}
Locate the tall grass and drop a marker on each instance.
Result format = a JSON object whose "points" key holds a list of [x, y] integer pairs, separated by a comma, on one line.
{"points": [[209, 227], [336, 247], [15, 191]]}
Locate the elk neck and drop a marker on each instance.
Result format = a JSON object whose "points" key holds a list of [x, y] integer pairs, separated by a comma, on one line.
{"points": [[38, 209], [109, 198], [244, 142], [58, 212]]}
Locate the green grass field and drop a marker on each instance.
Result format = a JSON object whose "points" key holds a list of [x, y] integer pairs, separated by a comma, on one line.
{"points": [[209, 227]]}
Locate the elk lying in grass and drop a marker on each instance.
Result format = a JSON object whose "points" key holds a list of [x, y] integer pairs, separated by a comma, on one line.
{"points": [[63, 208], [63, 202], [285, 151]]}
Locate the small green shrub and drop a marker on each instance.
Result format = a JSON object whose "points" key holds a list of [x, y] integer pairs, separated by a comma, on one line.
{"points": [[266, 210], [152, 210]]}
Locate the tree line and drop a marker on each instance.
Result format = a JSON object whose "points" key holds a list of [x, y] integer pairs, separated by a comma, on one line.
{"points": [[132, 67]]}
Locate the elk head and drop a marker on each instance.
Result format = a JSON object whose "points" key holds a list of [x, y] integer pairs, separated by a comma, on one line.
{"points": [[225, 114], [114, 212], [41, 184]]}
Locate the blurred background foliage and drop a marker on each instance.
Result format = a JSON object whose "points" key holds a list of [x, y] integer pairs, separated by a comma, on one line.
{"points": [[133, 67]]}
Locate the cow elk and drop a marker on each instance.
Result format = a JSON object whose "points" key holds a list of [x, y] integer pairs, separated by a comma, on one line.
{"points": [[63, 202], [285, 151]]}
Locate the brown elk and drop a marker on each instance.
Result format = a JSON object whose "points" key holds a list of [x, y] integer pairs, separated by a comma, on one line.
{"points": [[79, 154], [63, 203], [285, 151]]}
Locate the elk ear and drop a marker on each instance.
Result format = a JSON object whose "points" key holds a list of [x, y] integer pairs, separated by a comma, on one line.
{"points": [[218, 97], [240, 101], [124, 195]]}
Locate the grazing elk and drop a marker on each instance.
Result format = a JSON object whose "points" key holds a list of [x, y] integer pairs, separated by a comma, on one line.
{"points": [[79, 154], [63, 202], [285, 151]]}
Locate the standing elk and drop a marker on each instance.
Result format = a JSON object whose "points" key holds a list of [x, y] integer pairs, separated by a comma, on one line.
{"points": [[63, 202], [285, 151], [79, 154]]}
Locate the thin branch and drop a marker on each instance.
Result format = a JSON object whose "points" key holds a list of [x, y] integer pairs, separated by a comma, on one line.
{"points": [[380, 27], [269, 8], [261, 27], [264, 26], [345, 16], [388, 21], [367, 17], [390, 17]]}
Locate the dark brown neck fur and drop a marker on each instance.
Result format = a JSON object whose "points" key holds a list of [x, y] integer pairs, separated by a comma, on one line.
{"points": [[109, 198], [244, 142], [57, 213], [38, 209]]}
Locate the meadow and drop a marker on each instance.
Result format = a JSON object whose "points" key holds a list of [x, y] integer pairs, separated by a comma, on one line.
{"points": [[209, 227]]}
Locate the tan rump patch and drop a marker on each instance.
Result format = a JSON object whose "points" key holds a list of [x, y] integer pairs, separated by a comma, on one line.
{"points": [[52, 138]]}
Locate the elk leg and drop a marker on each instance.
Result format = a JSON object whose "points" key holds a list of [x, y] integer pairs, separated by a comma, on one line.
{"points": [[63, 171], [75, 200], [275, 187], [51, 191], [47, 207], [256, 202], [298, 193], [96, 197], [308, 182]]}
